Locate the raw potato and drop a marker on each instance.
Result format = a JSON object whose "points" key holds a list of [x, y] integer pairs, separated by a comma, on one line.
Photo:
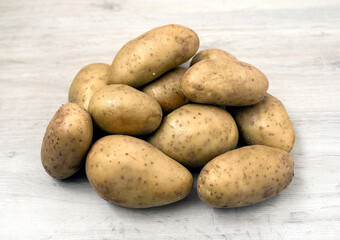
{"points": [[122, 109], [245, 176], [88, 80], [224, 82], [66, 141], [132, 173], [194, 134], [148, 56], [266, 123], [167, 90], [212, 53]]}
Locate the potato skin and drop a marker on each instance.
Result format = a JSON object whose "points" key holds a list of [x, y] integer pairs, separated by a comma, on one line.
{"points": [[245, 176], [194, 134], [167, 90], [221, 82], [132, 173], [88, 80], [66, 141], [148, 56], [212, 53], [122, 109], [266, 123]]}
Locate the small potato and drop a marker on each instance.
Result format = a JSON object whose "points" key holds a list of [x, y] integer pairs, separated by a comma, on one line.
{"points": [[132, 173], [194, 134], [167, 90], [245, 176], [212, 53], [148, 56], [122, 109], [88, 80], [266, 123], [224, 82], [66, 141]]}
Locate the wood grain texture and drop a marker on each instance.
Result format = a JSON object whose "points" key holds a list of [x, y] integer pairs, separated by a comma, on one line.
{"points": [[43, 44]]}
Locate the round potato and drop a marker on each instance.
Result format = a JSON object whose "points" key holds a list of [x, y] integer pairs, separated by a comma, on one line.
{"points": [[148, 56], [66, 141], [212, 53], [132, 173], [224, 82], [266, 123], [122, 109], [194, 134], [167, 90], [88, 80], [245, 176]]}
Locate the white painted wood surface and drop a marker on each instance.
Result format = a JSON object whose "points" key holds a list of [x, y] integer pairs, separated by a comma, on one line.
{"points": [[44, 43]]}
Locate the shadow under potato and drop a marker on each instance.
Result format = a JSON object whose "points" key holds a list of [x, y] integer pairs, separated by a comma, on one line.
{"points": [[79, 176]]}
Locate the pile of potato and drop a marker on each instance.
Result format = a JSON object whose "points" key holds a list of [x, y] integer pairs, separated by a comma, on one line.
{"points": [[159, 118]]}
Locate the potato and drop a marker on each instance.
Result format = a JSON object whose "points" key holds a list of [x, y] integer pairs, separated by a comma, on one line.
{"points": [[66, 141], [167, 90], [122, 109], [224, 82], [194, 134], [88, 80], [245, 176], [266, 123], [148, 56], [132, 173], [212, 53]]}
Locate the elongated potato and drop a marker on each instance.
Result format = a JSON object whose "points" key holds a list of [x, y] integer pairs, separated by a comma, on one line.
{"points": [[194, 134], [148, 56], [132, 173], [212, 53], [224, 82], [245, 176], [66, 141], [88, 80], [122, 109], [167, 90], [266, 123]]}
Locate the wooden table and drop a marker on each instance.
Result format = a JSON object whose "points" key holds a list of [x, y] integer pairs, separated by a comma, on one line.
{"points": [[43, 44]]}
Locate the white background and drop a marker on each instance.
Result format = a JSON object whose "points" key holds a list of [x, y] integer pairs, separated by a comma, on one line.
{"points": [[43, 44]]}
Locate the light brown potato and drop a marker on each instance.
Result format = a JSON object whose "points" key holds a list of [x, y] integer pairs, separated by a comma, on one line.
{"points": [[212, 53], [194, 134], [122, 109], [66, 141], [266, 123], [148, 56], [245, 176], [132, 173], [167, 90], [221, 82], [88, 80]]}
